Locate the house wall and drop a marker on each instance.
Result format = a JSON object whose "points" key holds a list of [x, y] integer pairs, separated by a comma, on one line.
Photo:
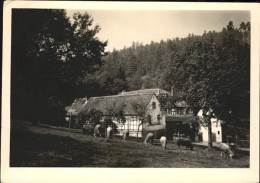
{"points": [[215, 126], [131, 124], [154, 112], [216, 129]]}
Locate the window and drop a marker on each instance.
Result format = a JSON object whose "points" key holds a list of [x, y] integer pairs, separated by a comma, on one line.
{"points": [[218, 132], [154, 105]]}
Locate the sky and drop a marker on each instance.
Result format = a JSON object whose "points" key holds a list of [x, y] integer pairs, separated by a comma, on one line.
{"points": [[122, 27]]}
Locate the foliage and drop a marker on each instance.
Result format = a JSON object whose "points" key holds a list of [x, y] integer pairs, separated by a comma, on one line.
{"points": [[214, 77], [50, 56], [94, 116], [109, 122], [117, 112], [143, 114], [167, 102]]}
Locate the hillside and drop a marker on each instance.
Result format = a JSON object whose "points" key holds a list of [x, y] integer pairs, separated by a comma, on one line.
{"points": [[147, 66]]}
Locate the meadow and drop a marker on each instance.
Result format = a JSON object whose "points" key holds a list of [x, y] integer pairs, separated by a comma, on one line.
{"points": [[43, 146]]}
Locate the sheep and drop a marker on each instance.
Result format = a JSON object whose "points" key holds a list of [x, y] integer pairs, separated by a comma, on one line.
{"points": [[88, 129], [149, 138], [163, 142], [224, 148], [125, 134], [97, 131], [109, 132], [186, 143]]}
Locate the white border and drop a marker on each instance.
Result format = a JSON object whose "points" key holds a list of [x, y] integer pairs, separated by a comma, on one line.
{"points": [[127, 174]]}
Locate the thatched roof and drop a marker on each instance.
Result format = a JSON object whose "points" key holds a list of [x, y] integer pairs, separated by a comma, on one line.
{"points": [[156, 91], [127, 103], [76, 106]]}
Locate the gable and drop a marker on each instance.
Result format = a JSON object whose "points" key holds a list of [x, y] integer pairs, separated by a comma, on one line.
{"points": [[76, 106]]}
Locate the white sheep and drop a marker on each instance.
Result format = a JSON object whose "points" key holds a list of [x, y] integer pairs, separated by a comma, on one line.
{"points": [[125, 134], [163, 142], [149, 138], [109, 132], [97, 131], [224, 148]]}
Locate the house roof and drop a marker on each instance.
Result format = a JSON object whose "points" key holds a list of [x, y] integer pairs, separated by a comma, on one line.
{"points": [[128, 103], [76, 106], [181, 104], [155, 91]]}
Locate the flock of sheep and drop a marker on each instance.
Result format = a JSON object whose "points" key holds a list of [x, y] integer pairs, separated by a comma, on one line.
{"points": [[99, 131]]}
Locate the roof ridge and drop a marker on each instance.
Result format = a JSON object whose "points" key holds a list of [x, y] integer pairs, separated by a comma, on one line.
{"points": [[122, 95], [145, 89]]}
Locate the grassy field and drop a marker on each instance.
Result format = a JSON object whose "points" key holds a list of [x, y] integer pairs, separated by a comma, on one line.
{"points": [[38, 146]]}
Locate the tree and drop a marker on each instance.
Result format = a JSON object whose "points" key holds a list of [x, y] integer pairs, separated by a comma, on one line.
{"points": [[210, 75], [242, 28], [94, 116], [50, 56], [143, 114]]}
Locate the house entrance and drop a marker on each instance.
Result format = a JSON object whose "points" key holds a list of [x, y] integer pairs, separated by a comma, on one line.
{"points": [[214, 139], [176, 130]]}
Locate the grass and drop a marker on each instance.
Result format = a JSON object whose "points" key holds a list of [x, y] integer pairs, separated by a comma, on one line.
{"points": [[37, 146]]}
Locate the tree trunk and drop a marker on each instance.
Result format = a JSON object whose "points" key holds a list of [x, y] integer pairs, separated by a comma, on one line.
{"points": [[139, 128], [209, 133]]}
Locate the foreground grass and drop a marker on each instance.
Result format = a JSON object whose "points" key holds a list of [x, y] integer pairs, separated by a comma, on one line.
{"points": [[35, 146]]}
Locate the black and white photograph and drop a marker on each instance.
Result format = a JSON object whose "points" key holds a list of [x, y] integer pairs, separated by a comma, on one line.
{"points": [[131, 88]]}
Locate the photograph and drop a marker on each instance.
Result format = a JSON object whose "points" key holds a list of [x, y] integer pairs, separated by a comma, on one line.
{"points": [[130, 88]]}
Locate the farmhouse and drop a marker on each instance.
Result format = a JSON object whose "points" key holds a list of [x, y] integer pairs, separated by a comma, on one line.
{"points": [[138, 106], [134, 106], [144, 105]]}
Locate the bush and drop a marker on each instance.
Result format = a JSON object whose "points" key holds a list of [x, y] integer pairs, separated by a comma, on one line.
{"points": [[108, 122], [88, 129]]}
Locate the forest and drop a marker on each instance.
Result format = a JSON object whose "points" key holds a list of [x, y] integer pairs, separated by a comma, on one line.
{"points": [[55, 60]]}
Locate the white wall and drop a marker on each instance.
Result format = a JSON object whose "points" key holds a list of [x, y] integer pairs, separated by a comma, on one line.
{"points": [[131, 124], [216, 128], [154, 112]]}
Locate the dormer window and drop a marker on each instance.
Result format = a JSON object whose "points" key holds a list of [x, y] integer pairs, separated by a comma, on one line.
{"points": [[154, 105]]}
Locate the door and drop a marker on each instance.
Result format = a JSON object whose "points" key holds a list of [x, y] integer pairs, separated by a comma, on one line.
{"points": [[171, 130], [214, 137]]}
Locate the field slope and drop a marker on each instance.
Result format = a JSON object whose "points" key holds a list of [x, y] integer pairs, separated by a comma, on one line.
{"points": [[39, 146]]}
